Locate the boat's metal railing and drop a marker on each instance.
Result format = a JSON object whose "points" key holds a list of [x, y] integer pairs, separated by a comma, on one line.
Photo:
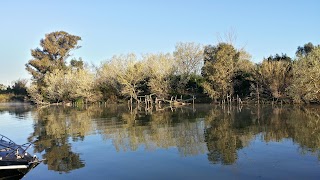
{"points": [[4, 138], [12, 147]]}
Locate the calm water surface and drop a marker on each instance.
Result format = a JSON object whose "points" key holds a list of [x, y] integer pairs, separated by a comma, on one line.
{"points": [[191, 142]]}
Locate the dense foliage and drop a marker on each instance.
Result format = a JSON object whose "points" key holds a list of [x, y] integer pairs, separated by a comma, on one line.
{"points": [[218, 72]]}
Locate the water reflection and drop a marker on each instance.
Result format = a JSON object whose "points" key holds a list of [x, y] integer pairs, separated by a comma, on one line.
{"points": [[222, 137], [19, 110], [52, 129], [229, 132], [218, 132], [129, 130]]}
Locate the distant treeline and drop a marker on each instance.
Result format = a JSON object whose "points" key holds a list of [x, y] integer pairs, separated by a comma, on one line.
{"points": [[16, 92], [214, 73]]}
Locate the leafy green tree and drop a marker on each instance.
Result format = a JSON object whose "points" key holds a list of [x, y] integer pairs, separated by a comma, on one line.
{"points": [[274, 75], [55, 49], [218, 70], [48, 61], [194, 85], [77, 64], [35, 94], [305, 49], [306, 78], [20, 87], [3, 88], [243, 77], [277, 57]]}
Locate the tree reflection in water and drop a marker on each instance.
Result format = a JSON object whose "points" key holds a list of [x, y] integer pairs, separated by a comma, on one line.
{"points": [[222, 137], [230, 131], [52, 130], [219, 132], [181, 128]]}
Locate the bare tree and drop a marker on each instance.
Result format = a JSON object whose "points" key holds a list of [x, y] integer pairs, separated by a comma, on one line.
{"points": [[159, 67], [188, 58], [126, 72], [229, 37]]}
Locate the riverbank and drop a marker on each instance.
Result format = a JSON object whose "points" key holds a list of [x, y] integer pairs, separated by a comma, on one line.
{"points": [[10, 97]]}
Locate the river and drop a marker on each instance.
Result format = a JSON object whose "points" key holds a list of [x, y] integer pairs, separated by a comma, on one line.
{"points": [[191, 142]]}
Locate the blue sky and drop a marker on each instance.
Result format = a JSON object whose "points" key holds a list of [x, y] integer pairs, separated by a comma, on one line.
{"points": [[143, 26]]}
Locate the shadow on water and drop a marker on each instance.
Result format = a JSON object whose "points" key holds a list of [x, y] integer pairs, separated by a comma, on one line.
{"points": [[204, 129]]}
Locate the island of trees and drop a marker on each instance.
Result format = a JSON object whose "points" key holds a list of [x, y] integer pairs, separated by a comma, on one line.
{"points": [[219, 73]]}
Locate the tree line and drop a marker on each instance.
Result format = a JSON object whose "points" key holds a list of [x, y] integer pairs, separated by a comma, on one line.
{"points": [[215, 73], [15, 92]]}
